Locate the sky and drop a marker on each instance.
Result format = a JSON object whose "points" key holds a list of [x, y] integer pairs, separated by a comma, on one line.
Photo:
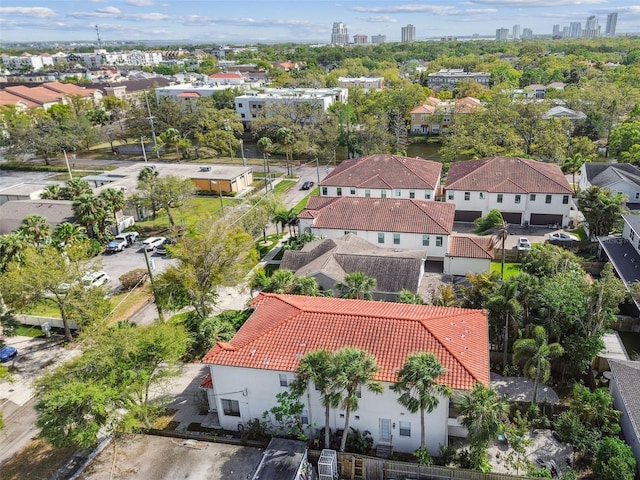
{"points": [[300, 21]]}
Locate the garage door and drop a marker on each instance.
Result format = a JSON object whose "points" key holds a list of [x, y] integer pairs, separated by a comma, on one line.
{"points": [[545, 219], [466, 215], [512, 218]]}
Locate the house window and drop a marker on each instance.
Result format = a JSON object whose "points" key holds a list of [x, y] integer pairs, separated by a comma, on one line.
{"points": [[499, 198], [637, 196], [239, 105], [325, 191], [632, 236], [412, 194], [339, 191], [304, 417], [481, 195], [380, 237], [425, 240], [405, 429], [565, 200], [283, 380], [518, 197], [367, 193], [547, 199], [438, 241], [230, 407], [359, 392], [450, 196], [467, 196], [242, 115], [532, 197], [427, 195], [398, 193], [383, 194], [353, 191], [396, 239]]}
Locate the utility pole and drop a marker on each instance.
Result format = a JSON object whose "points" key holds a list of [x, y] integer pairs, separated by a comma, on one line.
{"points": [[153, 126], [318, 170], [144, 152], [227, 127], [153, 286], [67, 162]]}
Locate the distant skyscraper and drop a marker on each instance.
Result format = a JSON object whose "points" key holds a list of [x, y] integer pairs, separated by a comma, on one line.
{"points": [[502, 33], [408, 34], [360, 39], [575, 29], [378, 38], [339, 35], [527, 34], [612, 20], [515, 32], [591, 28], [556, 31]]}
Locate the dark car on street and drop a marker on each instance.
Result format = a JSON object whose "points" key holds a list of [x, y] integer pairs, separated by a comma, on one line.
{"points": [[8, 353], [307, 185]]}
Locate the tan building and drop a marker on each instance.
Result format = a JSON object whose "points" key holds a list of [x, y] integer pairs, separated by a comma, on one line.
{"points": [[435, 116]]}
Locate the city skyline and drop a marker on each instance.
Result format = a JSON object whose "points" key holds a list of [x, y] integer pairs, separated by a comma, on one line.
{"points": [[302, 21]]}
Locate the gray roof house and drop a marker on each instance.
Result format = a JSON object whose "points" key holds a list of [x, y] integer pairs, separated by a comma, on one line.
{"points": [[624, 387], [329, 260], [617, 177], [54, 211]]}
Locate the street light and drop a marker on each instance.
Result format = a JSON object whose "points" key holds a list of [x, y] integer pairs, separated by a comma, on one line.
{"points": [[144, 152], [219, 193], [244, 160], [265, 167], [67, 162], [318, 171], [153, 126]]}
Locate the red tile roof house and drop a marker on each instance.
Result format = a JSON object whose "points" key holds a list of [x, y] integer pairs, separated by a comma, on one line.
{"points": [[386, 222], [259, 362], [466, 254], [527, 192], [383, 176]]}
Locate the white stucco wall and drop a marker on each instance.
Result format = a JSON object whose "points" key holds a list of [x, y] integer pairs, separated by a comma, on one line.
{"points": [[632, 236], [352, 191], [630, 434], [256, 390], [462, 266]]}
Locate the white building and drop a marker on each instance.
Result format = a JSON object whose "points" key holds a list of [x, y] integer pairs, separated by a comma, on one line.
{"points": [[366, 83], [31, 62], [612, 20], [408, 34], [447, 78], [526, 192], [618, 177], [249, 371], [624, 387], [339, 34]]}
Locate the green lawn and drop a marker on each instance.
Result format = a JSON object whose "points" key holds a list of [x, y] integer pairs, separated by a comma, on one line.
{"points": [[510, 269], [283, 185], [303, 203]]}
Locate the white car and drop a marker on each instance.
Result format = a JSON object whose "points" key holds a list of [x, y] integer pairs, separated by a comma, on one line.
{"points": [[129, 237], [561, 237], [95, 279], [523, 244], [152, 243]]}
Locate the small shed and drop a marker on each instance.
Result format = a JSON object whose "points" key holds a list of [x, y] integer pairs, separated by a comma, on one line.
{"points": [[285, 460]]}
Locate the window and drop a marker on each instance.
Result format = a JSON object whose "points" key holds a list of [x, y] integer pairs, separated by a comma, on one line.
{"points": [[427, 195], [304, 417], [283, 380], [547, 199], [367, 193], [383, 194], [242, 115], [230, 407], [467, 196], [532, 197], [339, 191], [481, 195], [352, 191], [425, 240], [396, 239], [239, 105], [359, 392], [325, 191], [405, 429], [450, 196], [637, 196], [380, 237], [565, 199], [499, 198], [412, 194], [632, 236], [398, 193], [518, 198], [438, 241]]}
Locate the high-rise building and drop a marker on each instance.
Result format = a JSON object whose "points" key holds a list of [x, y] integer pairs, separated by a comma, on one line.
{"points": [[575, 29], [515, 32], [339, 35], [565, 32], [360, 39], [378, 38], [408, 34], [556, 31], [502, 33], [527, 34], [591, 28], [612, 20]]}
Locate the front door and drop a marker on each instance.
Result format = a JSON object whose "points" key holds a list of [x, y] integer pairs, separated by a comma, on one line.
{"points": [[385, 430]]}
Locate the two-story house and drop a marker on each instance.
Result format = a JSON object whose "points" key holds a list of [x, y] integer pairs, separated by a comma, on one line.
{"points": [[248, 372], [436, 116], [618, 177], [386, 222], [525, 191], [383, 176]]}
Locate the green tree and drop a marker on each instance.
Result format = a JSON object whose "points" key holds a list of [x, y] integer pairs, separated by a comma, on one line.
{"points": [[614, 460], [535, 355], [68, 234], [505, 313], [284, 281], [572, 165], [170, 192], [35, 229], [12, 247], [74, 188], [624, 137], [407, 296], [493, 224], [356, 285], [602, 210], [356, 369], [114, 200], [595, 409], [418, 386], [92, 213]]}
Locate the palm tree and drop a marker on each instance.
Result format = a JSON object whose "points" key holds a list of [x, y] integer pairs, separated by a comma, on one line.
{"points": [[286, 138], [356, 285], [51, 192], [504, 308], [286, 218], [356, 369], [90, 212], [114, 200], [535, 354], [12, 247], [68, 234], [74, 188], [319, 367], [407, 296], [418, 388], [493, 224], [483, 412], [35, 229], [572, 165]]}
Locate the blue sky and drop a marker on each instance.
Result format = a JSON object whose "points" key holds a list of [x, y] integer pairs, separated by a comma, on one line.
{"points": [[305, 21]]}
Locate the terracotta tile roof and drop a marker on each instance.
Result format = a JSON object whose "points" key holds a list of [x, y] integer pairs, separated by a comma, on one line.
{"points": [[507, 175], [188, 95], [429, 109], [380, 214], [226, 75], [470, 247], [284, 328], [467, 104], [39, 95], [207, 382], [385, 171], [8, 98], [69, 89]]}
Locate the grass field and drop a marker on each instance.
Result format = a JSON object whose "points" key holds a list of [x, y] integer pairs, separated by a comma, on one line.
{"points": [[510, 269]]}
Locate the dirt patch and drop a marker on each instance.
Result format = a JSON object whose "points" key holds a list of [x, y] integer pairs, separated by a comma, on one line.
{"points": [[37, 460]]}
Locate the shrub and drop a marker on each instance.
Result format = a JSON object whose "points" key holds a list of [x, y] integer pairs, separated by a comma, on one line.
{"points": [[423, 456], [614, 460], [132, 278], [573, 431]]}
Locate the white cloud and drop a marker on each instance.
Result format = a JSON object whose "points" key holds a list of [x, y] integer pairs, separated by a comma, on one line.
{"points": [[109, 10], [36, 12], [537, 3], [380, 19], [140, 3]]}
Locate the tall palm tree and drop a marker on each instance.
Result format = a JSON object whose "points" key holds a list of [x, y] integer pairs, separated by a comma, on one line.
{"points": [[286, 218], [418, 388], [90, 212], [356, 369], [12, 247], [493, 224], [505, 309], [535, 354], [51, 192], [35, 229], [115, 201], [356, 285], [319, 368], [68, 234], [572, 165], [74, 188], [286, 138]]}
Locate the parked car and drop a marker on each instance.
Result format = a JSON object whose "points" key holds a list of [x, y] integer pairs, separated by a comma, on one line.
{"points": [[95, 279], [561, 237], [129, 237], [162, 248], [8, 353], [152, 243], [117, 245], [307, 185], [523, 244]]}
